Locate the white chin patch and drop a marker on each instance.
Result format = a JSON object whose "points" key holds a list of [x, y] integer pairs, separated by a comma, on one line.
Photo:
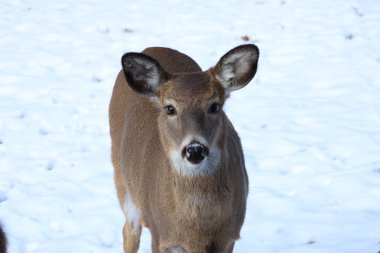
{"points": [[206, 167]]}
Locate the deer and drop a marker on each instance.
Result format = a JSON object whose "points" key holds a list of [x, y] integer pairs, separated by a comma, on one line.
{"points": [[178, 162], [3, 241]]}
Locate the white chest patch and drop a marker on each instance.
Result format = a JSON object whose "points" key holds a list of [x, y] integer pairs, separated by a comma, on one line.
{"points": [[176, 249], [132, 214]]}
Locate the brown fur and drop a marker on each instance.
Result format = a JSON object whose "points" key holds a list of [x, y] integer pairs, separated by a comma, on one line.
{"points": [[192, 214]]}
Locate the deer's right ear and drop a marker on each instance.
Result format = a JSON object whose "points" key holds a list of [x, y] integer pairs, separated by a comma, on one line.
{"points": [[237, 67], [143, 73]]}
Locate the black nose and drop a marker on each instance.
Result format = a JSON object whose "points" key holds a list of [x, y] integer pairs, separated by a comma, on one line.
{"points": [[195, 152]]}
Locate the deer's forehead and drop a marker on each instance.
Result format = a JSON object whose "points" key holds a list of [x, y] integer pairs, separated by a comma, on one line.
{"points": [[196, 88]]}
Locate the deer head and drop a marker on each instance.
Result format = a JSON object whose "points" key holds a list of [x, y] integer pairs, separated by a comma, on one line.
{"points": [[191, 119]]}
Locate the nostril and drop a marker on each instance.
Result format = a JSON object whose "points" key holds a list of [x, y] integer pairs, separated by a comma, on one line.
{"points": [[195, 152], [189, 151], [204, 151]]}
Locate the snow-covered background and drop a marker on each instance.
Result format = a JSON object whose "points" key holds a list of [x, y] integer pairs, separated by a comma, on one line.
{"points": [[309, 122]]}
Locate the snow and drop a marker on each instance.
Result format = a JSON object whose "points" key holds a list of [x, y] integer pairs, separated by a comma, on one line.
{"points": [[309, 122]]}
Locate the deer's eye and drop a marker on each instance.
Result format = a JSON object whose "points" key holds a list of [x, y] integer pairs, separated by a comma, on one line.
{"points": [[170, 110], [214, 108]]}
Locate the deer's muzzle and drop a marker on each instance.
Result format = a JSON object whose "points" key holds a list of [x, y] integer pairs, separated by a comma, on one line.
{"points": [[195, 152]]}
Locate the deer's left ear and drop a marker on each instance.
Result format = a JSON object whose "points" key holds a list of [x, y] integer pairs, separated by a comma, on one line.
{"points": [[237, 67], [143, 73]]}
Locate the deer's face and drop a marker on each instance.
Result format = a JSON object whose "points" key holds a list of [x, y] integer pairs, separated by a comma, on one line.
{"points": [[191, 121]]}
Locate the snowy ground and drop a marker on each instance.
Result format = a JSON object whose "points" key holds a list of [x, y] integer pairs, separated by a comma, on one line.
{"points": [[309, 122]]}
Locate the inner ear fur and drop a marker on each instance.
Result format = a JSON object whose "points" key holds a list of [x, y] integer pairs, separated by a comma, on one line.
{"points": [[237, 67]]}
